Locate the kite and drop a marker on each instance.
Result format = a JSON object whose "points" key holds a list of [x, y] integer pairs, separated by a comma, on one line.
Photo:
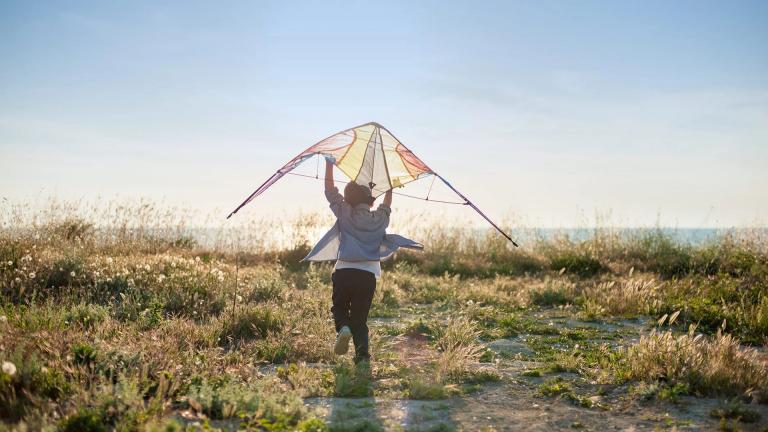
{"points": [[371, 156]]}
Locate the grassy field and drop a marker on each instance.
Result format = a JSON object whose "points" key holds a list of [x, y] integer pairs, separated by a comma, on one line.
{"points": [[143, 329]]}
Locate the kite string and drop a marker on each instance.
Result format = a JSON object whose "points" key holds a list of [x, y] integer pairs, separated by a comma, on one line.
{"points": [[395, 193]]}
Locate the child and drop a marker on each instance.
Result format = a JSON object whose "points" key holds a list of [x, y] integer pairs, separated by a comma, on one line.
{"points": [[357, 242]]}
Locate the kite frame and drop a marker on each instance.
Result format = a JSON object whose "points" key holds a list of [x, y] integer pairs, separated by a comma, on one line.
{"points": [[298, 160]]}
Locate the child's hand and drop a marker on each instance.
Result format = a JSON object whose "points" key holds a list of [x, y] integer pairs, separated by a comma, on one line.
{"points": [[330, 159]]}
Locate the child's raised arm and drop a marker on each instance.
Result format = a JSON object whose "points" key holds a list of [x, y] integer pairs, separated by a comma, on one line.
{"points": [[329, 161], [388, 198]]}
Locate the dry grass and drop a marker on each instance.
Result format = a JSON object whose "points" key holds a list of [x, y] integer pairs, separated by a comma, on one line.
{"points": [[716, 365], [635, 296]]}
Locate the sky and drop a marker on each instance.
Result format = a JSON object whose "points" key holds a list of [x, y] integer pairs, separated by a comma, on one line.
{"points": [[550, 114]]}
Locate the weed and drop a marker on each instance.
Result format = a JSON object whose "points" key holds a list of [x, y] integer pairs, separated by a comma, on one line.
{"points": [[421, 389], [251, 324], [86, 315], [735, 410], [353, 381]]}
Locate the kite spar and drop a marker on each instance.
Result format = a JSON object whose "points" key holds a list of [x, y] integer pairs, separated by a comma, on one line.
{"points": [[371, 156]]}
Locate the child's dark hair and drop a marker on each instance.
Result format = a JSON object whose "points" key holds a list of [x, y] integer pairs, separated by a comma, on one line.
{"points": [[355, 194]]}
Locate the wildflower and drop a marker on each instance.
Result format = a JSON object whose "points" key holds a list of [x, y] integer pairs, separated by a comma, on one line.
{"points": [[32, 275], [9, 368], [161, 278], [110, 260], [18, 280], [197, 259], [10, 263], [239, 298], [72, 273], [146, 267]]}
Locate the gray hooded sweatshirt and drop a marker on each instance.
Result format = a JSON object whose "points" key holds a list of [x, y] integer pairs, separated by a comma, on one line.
{"points": [[359, 234]]}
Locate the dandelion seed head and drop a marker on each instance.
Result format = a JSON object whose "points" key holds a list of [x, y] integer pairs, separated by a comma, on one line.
{"points": [[9, 368]]}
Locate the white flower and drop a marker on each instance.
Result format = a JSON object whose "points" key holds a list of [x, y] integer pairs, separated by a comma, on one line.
{"points": [[3, 319], [161, 278], [10, 263], [72, 273], [9, 368], [18, 280], [32, 275], [197, 259], [173, 264], [110, 260], [147, 268]]}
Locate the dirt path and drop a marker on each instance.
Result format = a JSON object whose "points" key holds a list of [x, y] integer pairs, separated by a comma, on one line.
{"points": [[515, 403]]}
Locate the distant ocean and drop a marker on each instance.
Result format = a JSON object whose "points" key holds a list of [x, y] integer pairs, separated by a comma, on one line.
{"points": [[693, 236]]}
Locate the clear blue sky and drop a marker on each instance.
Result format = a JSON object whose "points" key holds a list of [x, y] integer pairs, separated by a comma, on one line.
{"points": [[546, 111]]}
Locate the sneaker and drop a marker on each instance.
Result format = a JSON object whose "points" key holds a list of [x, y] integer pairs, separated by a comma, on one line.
{"points": [[342, 341]]}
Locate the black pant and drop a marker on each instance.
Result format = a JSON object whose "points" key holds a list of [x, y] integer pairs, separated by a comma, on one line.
{"points": [[352, 296]]}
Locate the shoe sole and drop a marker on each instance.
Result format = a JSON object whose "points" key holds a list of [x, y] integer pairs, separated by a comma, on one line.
{"points": [[342, 344]]}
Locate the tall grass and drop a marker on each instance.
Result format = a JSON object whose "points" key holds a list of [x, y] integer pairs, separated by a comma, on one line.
{"points": [[708, 366], [132, 301]]}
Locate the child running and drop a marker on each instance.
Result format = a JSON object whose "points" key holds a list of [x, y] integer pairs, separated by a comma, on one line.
{"points": [[357, 242]]}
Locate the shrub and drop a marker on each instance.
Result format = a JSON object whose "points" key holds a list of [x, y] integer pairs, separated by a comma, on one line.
{"points": [[84, 354], [251, 324], [86, 315], [421, 389], [72, 229], [267, 285], [192, 297], [353, 381], [84, 420], [576, 262], [554, 387], [515, 263], [553, 295], [657, 252], [65, 272]]}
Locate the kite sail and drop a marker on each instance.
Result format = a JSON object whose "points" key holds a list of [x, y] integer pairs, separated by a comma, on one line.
{"points": [[371, 156]]}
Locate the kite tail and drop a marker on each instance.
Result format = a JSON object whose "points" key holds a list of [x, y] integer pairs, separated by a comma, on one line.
{"points": [[471, 204]]}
